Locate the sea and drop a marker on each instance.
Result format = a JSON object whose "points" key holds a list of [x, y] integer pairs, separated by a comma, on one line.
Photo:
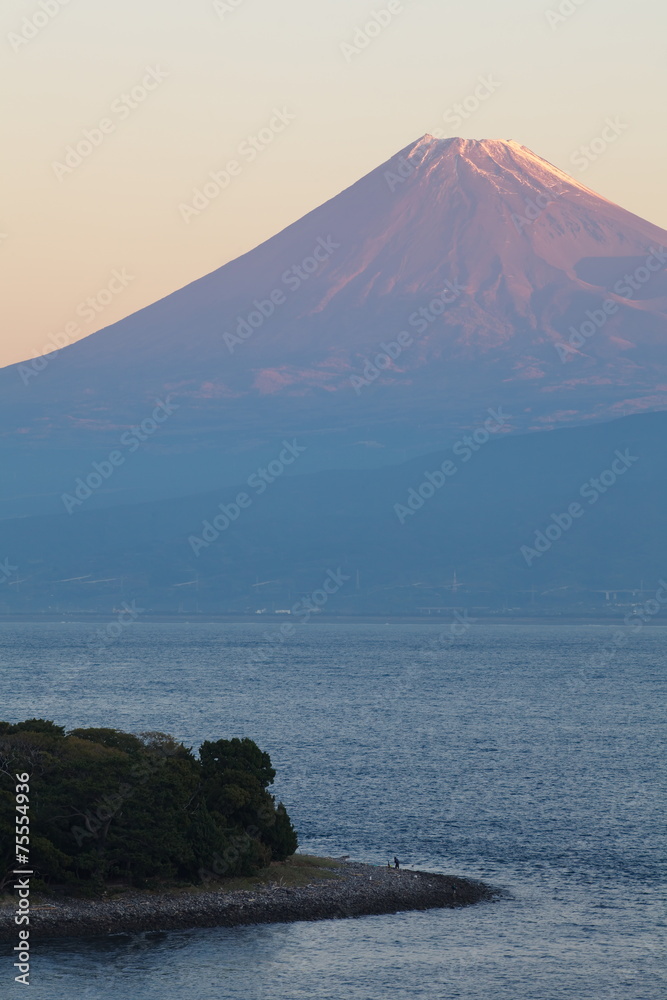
{"points": [[528, 756]]}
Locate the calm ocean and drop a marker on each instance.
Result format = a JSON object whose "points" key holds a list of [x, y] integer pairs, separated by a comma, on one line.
{"points": [[522, 755]]}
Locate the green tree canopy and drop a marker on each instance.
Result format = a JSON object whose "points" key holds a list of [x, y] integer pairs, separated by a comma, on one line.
{"points": [[112, 806]]}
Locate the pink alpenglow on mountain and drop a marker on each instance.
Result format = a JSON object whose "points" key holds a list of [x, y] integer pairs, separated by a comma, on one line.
{"points": [[459, 275]]}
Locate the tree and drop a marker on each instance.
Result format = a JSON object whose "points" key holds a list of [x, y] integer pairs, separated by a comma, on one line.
{"points": [[108, 805]]}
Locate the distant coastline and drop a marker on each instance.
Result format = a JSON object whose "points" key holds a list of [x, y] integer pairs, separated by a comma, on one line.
{"points": [[83, 617], [337, 889]]}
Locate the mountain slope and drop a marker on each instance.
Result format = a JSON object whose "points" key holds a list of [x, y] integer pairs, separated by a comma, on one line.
{"points": [[475, 264]]}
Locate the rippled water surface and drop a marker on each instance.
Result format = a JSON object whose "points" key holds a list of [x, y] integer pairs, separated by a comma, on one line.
{"points": [[516, 754]]}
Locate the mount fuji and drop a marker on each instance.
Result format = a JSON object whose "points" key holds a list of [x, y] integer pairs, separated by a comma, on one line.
{"points": [[457, 277]]}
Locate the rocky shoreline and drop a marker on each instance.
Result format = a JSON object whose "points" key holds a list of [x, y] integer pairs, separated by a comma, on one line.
{"points": [[351, 890]]}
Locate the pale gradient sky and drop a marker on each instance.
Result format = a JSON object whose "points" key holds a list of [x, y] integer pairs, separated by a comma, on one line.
{"points": [[61, 239]]}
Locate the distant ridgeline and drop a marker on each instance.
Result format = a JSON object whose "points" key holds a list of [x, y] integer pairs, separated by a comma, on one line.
{"points": [[107, 806]]}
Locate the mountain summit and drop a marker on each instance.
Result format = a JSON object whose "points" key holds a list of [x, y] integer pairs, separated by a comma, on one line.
{"points": [[458, 275]]}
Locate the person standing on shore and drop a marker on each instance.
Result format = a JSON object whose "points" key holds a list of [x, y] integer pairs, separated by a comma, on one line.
{"points": [[397, 863]]}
